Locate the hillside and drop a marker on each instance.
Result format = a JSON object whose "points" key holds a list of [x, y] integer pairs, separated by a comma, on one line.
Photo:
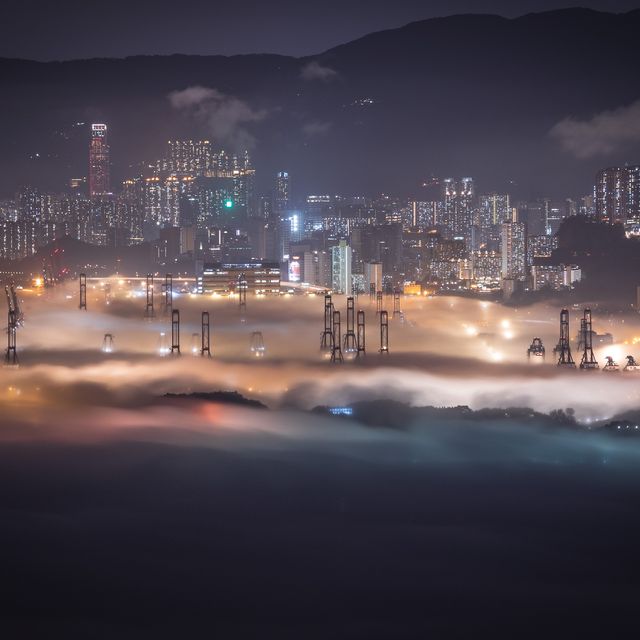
{"points": [[474, 95]]}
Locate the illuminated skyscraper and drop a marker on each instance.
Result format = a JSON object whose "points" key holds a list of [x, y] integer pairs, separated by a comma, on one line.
{"points": [[458, 209], [282, 194], [617, 194], [98, 161], [514, 251], [341, 268], [188, 156], [494, 209], [540, 247]]}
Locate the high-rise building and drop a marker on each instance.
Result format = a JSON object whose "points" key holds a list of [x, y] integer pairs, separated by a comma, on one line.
{"points": [[198, 158], [283, 192], [617, 194], [341, 268], [163, 199], [243, 185], [541, 247], [534, 214], [493, 209], [514, 251], [458, 210], [98, 161], [487, 268], [17, 239], [555, 213], [317, 268], [373, 276], [425, 214], [188, 156], [35, 208], [587, 206]]}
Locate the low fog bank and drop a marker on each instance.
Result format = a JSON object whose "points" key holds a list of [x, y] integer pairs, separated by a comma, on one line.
{"points": [[446, 352], [114, 380], [379, 430]]}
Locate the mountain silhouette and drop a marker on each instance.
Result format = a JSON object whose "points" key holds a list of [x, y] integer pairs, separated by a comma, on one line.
{"points": [[470, 95]]}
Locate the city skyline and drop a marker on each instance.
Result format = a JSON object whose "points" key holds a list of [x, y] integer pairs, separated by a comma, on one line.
{"points": [[199, 212]]}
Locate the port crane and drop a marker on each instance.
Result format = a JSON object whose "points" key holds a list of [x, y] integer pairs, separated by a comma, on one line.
{"points": [[611, 366], [536, 349]]}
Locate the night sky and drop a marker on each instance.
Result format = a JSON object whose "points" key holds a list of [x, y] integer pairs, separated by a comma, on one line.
{"points": [[67, 29]]}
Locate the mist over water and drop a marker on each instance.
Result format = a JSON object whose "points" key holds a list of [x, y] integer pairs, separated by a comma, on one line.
{"points": [[129, 514], [446, 352]]}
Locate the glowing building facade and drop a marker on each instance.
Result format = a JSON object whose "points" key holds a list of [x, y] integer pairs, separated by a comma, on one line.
{"points": [[617, 194], [458, 206], [283, 192], [99, 161], [341, 268], [514, 251]]}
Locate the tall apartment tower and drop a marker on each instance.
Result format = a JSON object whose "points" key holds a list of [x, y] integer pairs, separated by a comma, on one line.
{"points": [[99, 161], [188, 156], [458, 206], [514, 250], [617, 194], [341, 268], [494, 209], [283, 193]]}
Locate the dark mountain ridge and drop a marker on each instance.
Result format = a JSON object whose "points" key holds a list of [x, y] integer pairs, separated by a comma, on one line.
{"points": [[470, 94]]}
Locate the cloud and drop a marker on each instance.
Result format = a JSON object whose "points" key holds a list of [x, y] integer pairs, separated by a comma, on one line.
{"points": [[316, 128], [224, 116], [603, 134], [193, 96], [315, 71]]}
